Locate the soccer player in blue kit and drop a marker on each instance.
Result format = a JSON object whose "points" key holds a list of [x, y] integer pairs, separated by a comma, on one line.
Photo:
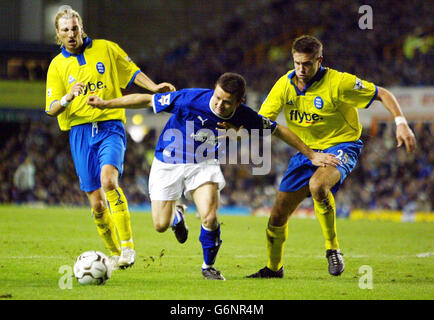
{"points": [[178, 165]]}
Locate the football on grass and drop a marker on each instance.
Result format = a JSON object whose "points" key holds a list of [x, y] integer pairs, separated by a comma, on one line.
{"points": [[92, 267]]}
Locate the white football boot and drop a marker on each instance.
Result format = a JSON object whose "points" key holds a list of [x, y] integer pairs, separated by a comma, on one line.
{"points": [[128, 257]]}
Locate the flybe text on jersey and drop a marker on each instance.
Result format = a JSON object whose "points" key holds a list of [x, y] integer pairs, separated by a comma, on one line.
{"points": [[306, 117], [91, 87]]}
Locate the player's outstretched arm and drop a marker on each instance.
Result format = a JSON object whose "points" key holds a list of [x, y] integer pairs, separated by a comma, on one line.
{"points": [[130, 101], [142, 80], [403, 132], [318, 159]]}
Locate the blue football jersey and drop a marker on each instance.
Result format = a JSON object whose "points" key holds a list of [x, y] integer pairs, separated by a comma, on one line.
{"points": [[190, 134]]}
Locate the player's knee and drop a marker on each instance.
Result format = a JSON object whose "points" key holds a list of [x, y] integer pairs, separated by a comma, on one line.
{"points": [[282, 207], [108, 183], [98, 208], [161, 226], [279, 215], [318, 190]]}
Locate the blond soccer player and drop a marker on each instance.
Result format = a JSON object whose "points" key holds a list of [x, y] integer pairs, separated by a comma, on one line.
{"points": [[97, 137]]}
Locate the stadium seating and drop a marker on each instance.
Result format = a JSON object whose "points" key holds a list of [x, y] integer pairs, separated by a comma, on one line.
{"points": [[259, 49], [384, 178]]}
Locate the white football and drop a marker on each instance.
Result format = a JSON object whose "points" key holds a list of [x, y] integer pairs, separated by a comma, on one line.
{"points": [[92, 267]]}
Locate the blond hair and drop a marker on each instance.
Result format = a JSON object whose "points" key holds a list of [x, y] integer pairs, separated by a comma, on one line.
{"points": [[68, 13]]}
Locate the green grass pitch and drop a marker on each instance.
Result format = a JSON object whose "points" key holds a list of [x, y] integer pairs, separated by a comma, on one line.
{"points": [[37, 242]]}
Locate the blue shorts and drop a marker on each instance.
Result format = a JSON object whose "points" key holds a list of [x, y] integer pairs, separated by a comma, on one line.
{"points": [[94, 145], [301, 169]]}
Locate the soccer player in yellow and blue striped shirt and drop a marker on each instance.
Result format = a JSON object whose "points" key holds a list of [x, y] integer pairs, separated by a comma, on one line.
{"points": [[321, 107], [97, 137]]}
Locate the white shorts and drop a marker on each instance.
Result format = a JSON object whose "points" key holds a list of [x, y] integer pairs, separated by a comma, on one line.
{"points": [[167, 181]]}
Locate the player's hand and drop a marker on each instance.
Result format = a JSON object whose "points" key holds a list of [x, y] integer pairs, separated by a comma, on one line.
{"points": [[164, 87], [320, 159], [76, 90], [96, 102], [227, 126], [406, 136]]}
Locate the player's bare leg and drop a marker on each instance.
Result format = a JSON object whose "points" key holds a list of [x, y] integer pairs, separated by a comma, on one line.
{"points": [[277, 231], [120, 213], [320, 185], [285, 205], [162, 214], [165, 214], [206, 198]]}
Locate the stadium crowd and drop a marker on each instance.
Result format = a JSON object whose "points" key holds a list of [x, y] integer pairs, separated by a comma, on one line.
{"points": [[256, 41], [383, 179]]}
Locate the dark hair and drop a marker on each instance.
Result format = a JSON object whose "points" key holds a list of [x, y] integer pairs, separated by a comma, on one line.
{"points": [[307, 44], [233, 83]]}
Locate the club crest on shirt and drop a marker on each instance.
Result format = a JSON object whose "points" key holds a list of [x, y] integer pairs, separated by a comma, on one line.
{"points": [[205, 137], [164, 100], [100, 67], [318, 103]]}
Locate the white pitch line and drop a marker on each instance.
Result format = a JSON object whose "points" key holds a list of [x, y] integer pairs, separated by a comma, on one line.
{"points": [[425, 255]]}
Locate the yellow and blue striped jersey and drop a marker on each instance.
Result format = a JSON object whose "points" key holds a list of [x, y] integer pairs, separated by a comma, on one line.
{"points": [[103, 67], [325, 112]]}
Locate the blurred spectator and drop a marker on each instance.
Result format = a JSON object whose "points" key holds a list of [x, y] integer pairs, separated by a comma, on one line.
{"points": [[381, 180], [391, 180], [254, 41], [16, 69], [24, 181], [19, 67]]}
